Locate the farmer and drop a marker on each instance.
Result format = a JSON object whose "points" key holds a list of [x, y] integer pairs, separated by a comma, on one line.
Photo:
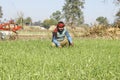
{"points": [[60, 36]]}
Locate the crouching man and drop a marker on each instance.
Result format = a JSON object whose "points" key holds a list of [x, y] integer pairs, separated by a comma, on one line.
{"points": [[61, 36]]}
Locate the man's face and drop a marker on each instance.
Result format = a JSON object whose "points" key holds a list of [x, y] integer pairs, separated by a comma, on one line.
{"points": [[60, 29]]}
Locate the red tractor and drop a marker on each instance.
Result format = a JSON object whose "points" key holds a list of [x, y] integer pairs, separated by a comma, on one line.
{"points": [[9, 30]]}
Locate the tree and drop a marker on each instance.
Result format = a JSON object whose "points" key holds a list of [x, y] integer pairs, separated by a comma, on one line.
{"points": [[102, 20], [56, 16], [1, 14], [118, 15], [48, 22], [37, 23], [20, 19], [117, 1], [28, 21], [72, 11], [117, 20]]}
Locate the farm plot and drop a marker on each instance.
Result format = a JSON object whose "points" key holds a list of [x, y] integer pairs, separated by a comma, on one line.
{"points": [[96, 59]]}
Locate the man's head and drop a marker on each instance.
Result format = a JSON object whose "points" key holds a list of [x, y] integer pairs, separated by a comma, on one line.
{"points": [[60, 26]]}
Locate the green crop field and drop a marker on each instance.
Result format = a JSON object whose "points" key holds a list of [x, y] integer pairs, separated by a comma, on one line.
{"points": [[96, 59]]}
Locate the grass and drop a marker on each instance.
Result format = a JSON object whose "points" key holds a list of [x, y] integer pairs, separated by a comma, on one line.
{"points": [[96, 59]]}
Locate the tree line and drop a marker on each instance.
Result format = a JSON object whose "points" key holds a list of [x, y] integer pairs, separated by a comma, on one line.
{"points": [[1, 14], [71, 14]]}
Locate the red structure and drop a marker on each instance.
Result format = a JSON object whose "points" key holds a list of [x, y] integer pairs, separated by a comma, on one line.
{"points": [[9, 27]]}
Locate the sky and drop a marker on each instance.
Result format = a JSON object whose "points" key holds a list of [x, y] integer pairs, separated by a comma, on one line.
{"points": [[42, 9]]}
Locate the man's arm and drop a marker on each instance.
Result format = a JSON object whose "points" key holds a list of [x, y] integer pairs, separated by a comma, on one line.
{"points": [[69, 38], [54, 40]]}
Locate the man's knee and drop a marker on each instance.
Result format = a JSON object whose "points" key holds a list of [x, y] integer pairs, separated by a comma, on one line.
{"points": [[64, 42], [53, 45]]}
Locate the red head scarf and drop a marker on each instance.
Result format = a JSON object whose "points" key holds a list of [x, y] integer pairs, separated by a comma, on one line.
{"points": [[60, 25]]}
